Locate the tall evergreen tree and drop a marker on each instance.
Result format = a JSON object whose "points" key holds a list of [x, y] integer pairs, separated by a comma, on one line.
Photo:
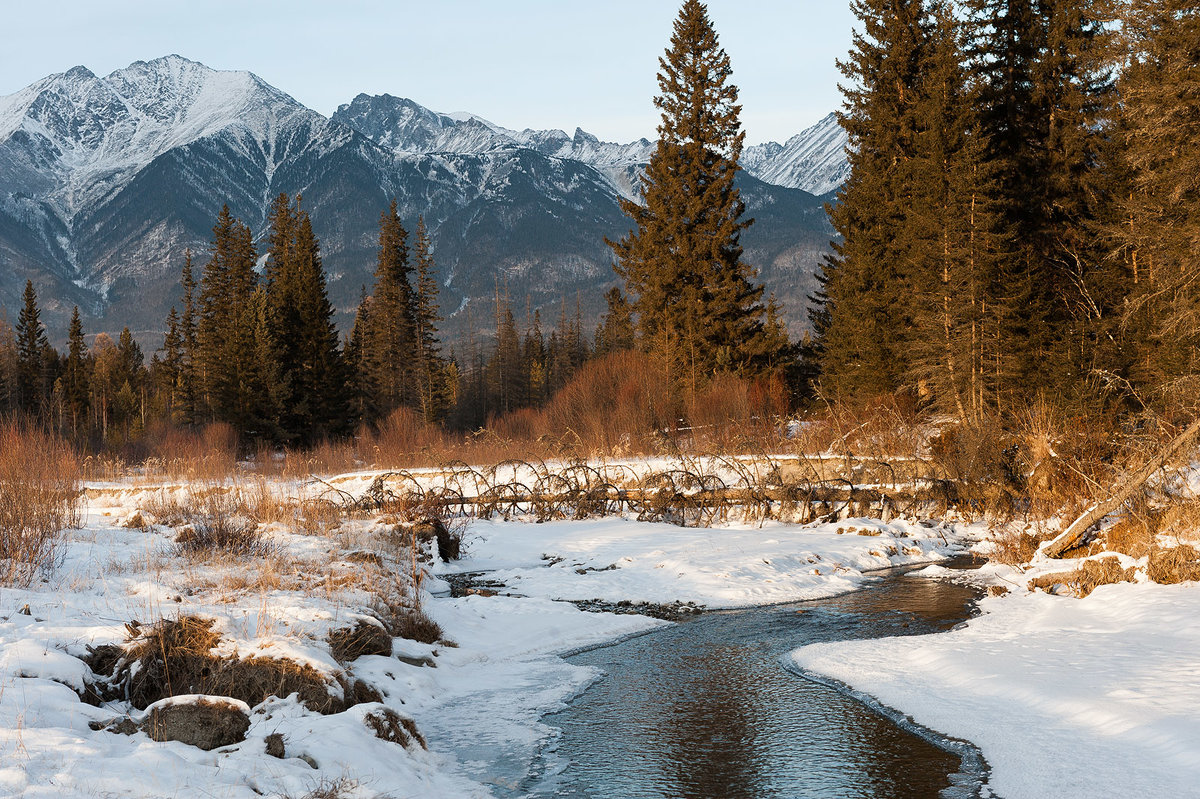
{"points": [[1046, 100], [615, 331], [865, 319], [1158, 227], [431, 367], [696, 299], [227, 330], [75, 377], [390, 341], [32, 388]]}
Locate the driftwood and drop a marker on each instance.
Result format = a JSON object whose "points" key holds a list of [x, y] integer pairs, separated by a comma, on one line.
{"points": [[1070, 537]]}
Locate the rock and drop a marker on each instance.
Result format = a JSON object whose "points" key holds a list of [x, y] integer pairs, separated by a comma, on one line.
{"points": [[125, 726], [423, 661], [201, 721], [275, 747]]}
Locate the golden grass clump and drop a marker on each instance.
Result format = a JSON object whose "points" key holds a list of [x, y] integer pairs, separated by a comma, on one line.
{"points": [[175, 656], [1175, 565], [39, 497]]}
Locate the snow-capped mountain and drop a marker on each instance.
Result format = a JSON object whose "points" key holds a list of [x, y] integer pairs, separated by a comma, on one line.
{"points": [[813, 160], [106, 181]]}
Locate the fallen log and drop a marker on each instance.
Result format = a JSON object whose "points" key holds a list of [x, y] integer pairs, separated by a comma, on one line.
{"points": [[1075, 532]]}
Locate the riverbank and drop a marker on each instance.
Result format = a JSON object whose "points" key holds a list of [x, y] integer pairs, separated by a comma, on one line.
{"points": [[477, 692], [1065, 697]]}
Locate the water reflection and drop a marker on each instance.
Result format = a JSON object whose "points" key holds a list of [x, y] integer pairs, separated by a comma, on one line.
{"points": [[704, 709]]}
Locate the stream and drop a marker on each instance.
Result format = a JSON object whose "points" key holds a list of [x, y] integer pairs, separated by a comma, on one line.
{"points": [[709, 709]]}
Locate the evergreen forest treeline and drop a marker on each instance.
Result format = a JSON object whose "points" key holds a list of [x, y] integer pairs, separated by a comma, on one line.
{"points": [[1022, 218], [261, 353], [1021, 222]]}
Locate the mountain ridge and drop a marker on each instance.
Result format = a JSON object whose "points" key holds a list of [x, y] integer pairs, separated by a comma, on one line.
{"points": [[105, 181]]}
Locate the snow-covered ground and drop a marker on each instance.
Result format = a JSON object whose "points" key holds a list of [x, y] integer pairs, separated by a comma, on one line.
{"points": [[1066, 697], [478, 703]]}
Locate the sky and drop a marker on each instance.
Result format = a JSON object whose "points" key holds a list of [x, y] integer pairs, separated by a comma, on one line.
{"points": [[518, 63]]}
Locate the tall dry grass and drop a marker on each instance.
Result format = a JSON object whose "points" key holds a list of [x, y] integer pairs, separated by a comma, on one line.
{"points": [[39, 497]]}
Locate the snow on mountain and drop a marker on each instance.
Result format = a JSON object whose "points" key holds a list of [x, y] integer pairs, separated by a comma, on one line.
{"points": [[89, 134], [106, 181], [813, 160]]}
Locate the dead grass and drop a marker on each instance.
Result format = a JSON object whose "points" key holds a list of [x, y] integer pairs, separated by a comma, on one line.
{"points": [[216, 523], [174, 657], [341, 788], [1100, 571], [39, 497], [1015, 548], [388, 725], [1175, 565]]}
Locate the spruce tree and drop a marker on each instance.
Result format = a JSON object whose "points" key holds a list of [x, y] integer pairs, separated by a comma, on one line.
{"points": [[228, 329], [695, 298], [864, 323], [1158, 227], [320, 380], [390, 344], [189, 376], [168, 373], [431, 367], [1046, 99], [615, 331], [32, 390], [75, 375]]}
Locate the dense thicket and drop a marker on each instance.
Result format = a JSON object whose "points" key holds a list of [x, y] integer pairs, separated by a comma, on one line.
{"points": [[1013, 175]]}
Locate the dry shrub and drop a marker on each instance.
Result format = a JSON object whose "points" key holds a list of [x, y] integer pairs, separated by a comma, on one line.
{"points": [[1015, 549], [217, 523], [612, 404], [325, 458], [363, 638], [341, 788], [39, 497], [731, 413], [206, 454], [403, 439], [1132, 535], [1176, 565], [174, 657], [882, 428], [1102, 571], [415, 625], [388, 725]]}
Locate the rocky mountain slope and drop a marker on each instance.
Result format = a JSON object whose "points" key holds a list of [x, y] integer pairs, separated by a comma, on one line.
{"points": [[106, 181]]}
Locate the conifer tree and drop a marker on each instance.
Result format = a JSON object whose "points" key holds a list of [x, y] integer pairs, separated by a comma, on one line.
{"points": [[864, 322], [168, 373], [615, 331], [75, 375], [31, 356], [682, 265], [1158, 227], [431, 367], [189, 377], [228, 327], [1046, 99], [320, 382], [390, 344]]}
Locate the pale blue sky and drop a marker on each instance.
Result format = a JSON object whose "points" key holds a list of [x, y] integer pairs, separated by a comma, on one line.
{"points": [[521, 63]]}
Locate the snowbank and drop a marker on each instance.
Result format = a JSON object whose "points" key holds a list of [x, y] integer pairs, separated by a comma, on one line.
{"points": [[1065, 697]]}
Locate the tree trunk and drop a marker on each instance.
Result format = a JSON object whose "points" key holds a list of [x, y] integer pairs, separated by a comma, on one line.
{"points": [[1078, 528]]}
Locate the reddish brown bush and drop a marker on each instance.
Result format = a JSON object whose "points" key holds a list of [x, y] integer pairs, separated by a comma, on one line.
{"points": [[39, 496]]}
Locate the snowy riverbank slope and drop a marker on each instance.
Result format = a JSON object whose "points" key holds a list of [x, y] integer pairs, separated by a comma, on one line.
{"points": [[478, 703], [1065, 697]]}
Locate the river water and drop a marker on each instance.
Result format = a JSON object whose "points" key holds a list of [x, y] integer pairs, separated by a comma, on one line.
{"points": [[709, 709]]}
